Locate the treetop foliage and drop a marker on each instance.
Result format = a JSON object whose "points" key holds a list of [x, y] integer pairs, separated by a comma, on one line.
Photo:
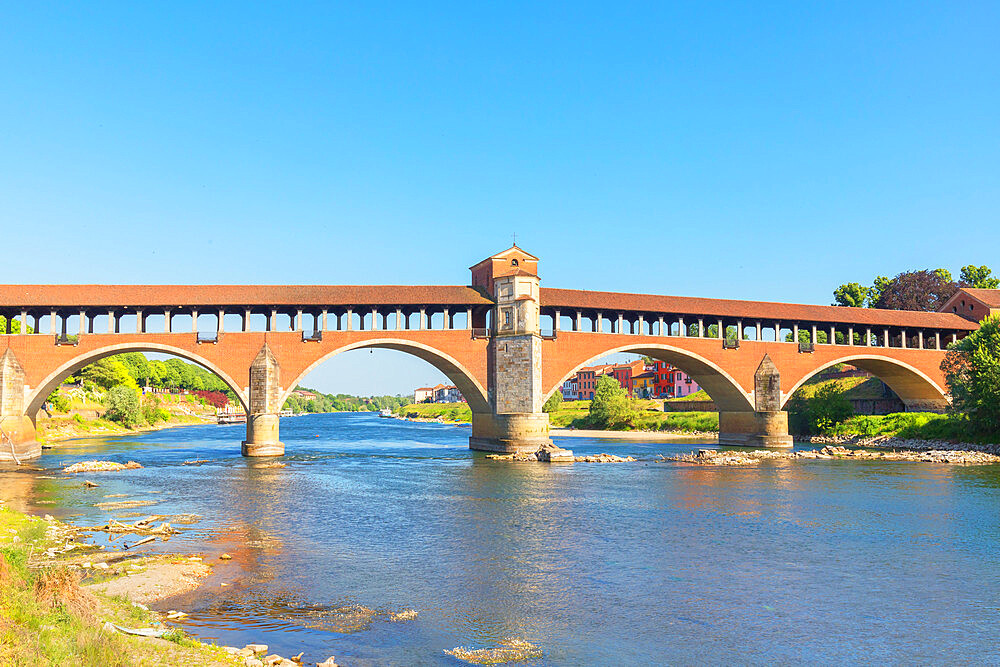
{"points": [[926, 290]]}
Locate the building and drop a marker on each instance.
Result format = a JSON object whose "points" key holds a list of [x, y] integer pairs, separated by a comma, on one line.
{"points": [[422, 394], [671, 382], [973, 304], [682, 384], [304, 395], [447, 393], [571, 389], [643, 384]]}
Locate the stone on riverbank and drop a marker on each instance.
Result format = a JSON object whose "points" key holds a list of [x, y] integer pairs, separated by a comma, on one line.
{"points": [[733, 458], [509, 650], [604, 458], [100, 466]]}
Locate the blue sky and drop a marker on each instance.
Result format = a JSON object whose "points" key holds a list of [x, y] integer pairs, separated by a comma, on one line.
{"points": [[727, 150]]}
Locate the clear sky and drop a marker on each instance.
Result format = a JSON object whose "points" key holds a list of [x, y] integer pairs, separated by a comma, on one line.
{"points": [[714, 149]]}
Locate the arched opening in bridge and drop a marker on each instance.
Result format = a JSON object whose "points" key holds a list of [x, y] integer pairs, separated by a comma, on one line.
{"points": [[167, 382], [859, 385], [387, 368], [671, 379]]}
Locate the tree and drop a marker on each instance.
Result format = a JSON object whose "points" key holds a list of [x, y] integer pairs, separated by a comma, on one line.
{"points": [[879, 285], [123, 406], [555, 400], [611, 406], [914, 290], [820, 410], [979, 277], [972, 372], [107, 373], [852, 295], [944, 274]]}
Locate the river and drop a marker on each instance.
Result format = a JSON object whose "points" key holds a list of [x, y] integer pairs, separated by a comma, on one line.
{"points": [[598, 564]]}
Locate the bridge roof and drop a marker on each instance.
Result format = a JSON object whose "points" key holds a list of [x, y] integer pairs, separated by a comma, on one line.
{"points": [[612, 302], [136, 296]]}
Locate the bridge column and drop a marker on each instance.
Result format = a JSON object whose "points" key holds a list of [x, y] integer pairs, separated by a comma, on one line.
{"points": [[264, 408], [767, 426], [17, 430]]}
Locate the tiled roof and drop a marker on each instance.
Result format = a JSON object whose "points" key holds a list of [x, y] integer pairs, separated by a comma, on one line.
{"points": [[749, 311], [991, 297], [58, 296]]}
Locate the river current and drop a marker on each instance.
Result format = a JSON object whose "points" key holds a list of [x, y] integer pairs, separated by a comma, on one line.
{"points": [[646, 563]]}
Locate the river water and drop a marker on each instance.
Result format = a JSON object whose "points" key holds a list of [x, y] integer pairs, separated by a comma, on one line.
{"points": [[597, 564]]}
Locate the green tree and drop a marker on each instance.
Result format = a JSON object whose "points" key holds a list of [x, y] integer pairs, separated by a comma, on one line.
{"points": [[852, 295], [972, 371], [818, 411], [944, 274], [123, 406], [555, 400], [879, 285], [980, 277], [107, 373], [611, 406]]}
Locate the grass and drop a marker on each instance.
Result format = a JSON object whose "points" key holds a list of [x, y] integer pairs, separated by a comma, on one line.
{"points": [[47, 618], [576, 414], [914, 425]]}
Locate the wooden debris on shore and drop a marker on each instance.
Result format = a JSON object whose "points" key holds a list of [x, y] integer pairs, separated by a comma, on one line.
{"points": [[145, 526], [100, 466]]}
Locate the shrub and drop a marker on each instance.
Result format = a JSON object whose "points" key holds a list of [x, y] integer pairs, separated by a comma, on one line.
{"points": [[59, 402], [611, 406], [551, 405], [972, 371], [123, 406]]}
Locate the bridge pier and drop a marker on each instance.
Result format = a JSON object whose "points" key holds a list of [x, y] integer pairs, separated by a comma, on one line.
{"points": [[509, 433], [767, 426], [754, 429], [265, 405], [17, 430]]}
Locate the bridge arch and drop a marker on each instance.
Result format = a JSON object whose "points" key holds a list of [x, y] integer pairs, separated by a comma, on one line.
{"points": [[52, 381], [725, 391], [915, 388], [457, 373]]}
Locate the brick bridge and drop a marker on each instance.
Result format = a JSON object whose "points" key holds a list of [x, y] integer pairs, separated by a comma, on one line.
{"points": [[504, 341]]}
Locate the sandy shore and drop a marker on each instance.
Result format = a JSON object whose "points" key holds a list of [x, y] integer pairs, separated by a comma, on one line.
{"points": [[658, 436]]}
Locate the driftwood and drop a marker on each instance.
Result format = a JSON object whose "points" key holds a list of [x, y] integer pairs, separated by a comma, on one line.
{"points": [[145, 540], [143, 527]]}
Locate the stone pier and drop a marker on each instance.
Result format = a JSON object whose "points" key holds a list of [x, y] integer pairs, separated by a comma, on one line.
{"points": [[263, 415], [17, 431], [767, 426]]}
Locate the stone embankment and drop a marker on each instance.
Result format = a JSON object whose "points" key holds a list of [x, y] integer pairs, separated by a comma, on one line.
{"points": [[734, 458]]}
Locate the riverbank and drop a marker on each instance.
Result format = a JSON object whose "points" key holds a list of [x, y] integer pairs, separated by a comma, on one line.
{"points": [[61, 428], [49, 616], [574, 415], [652, 436]]}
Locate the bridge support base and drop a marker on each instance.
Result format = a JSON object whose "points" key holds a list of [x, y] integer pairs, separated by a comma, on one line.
{"points": [[754, 429], [509, 433], [17, 439], [262, 436]]}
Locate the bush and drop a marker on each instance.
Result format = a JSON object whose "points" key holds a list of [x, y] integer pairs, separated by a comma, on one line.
{"points": [[612, 407], [551, 405], [123, 406], [818, 411], [972, 371], [59, 402]]}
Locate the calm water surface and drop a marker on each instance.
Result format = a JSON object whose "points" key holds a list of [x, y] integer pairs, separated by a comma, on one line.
{"points": [[609, 564]]}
